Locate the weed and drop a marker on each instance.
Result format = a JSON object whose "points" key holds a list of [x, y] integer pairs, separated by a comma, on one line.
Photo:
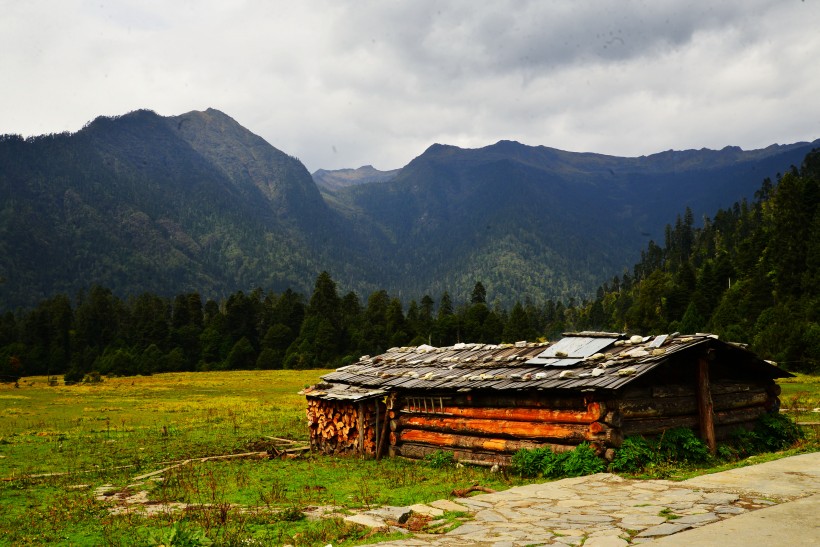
{"points": [[179, 536], [276, 493], [582, 461], [682, 445], [290, 514], [439, 459], [668, 514], [634, 455], [529, 463], [777, 431], [544, 462]]}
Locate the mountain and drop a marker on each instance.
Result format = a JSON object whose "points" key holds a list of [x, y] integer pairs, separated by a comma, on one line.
{"points": [[539, 222], [196, 202], [330, 181], [146, 203]]}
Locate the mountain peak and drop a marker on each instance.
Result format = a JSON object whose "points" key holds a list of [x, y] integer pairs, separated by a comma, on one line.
{"points": [[332, 180]]}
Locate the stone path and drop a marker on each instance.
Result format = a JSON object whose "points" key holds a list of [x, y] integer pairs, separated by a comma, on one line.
{"points": [[605, 510]]}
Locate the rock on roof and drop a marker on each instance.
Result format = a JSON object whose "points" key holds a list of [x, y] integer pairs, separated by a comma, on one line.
{"points": [[584, 361]]}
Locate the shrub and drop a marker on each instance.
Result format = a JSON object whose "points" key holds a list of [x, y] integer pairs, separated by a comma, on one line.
{"points": [[682, 445], [582, 461], [744, 442], [544, 462], [634, 455], [777, 431], [552, 463], [73, 376], [529, 463]]}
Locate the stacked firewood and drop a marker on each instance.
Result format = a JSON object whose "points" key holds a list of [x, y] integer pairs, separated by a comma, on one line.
{"points": [[343, 426]]}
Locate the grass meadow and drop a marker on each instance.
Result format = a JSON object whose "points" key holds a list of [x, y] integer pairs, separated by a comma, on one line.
{"points": [[70, 456], [61, 446]]}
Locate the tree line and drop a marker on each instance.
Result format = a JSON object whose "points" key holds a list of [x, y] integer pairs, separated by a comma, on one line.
{"points": [[751, 274], [101, 333]]}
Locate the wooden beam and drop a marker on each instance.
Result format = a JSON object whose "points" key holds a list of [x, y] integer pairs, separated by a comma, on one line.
{"points": [[376, 426], [573, 433], [536, 399], [652, 426], [482, 444], [681, 406], [594, 412], [381, 443], [360, 424], [706, 411]]}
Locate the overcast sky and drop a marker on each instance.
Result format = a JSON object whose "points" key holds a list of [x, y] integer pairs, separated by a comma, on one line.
{"points": [[344, 84]]}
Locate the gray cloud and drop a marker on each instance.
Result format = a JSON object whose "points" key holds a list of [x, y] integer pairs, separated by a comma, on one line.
{"points": [[344, 84]]}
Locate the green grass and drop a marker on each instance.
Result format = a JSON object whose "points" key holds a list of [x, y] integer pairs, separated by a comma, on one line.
{"points": [[800, 397], [59, 443]]}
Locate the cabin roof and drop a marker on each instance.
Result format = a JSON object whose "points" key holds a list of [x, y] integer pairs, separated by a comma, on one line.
{"points": [[584, 361]]}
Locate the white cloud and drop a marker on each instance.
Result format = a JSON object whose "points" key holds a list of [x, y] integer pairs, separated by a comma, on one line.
{"points": [[344, 84]]}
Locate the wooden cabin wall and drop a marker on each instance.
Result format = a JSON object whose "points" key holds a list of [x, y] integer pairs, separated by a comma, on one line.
{"points": [[340, 427], [490, 428], [651, 410]]}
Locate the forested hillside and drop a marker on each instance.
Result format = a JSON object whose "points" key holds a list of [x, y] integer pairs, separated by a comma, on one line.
{"points": [[537, 221], [750, 274], [142, 203]]}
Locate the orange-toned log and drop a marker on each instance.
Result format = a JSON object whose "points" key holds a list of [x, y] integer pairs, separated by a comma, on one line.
{"points": [[594, 412], [525, 430], [535, 399], [474, 443]]}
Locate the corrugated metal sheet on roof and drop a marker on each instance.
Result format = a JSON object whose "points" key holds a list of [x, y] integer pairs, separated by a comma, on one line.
{"points": [[573, 347]]}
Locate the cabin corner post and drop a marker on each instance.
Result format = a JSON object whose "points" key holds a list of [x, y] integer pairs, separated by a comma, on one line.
{"points": [[705, 405], [360, 426]]}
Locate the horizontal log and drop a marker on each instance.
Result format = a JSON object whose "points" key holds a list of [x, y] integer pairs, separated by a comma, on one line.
{"points": [[774, 389], [681, 406], [593, 412], [571, 433], [613, 418], [652, 426], [533, 399], [725, 432], [688, 390], [418, 452], [484, 444]]}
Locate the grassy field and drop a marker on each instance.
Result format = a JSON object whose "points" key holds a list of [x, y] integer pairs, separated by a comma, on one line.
{"points": [[61, 446], [800, 397]]}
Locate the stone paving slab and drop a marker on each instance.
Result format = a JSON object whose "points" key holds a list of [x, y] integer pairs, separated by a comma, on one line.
{"points": [[795, 476], [606, 510], [792, 523]]}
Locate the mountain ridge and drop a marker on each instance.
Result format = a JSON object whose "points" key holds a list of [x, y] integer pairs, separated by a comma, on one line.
{"points": [[142, 202]]}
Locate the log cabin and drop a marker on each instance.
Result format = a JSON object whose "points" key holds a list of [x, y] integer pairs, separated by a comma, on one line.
{"points": [[484, 402]]}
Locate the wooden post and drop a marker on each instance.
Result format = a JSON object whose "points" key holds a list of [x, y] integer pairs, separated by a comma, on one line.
{"points": [[360, 425], [705, 406], [383, 437]]}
